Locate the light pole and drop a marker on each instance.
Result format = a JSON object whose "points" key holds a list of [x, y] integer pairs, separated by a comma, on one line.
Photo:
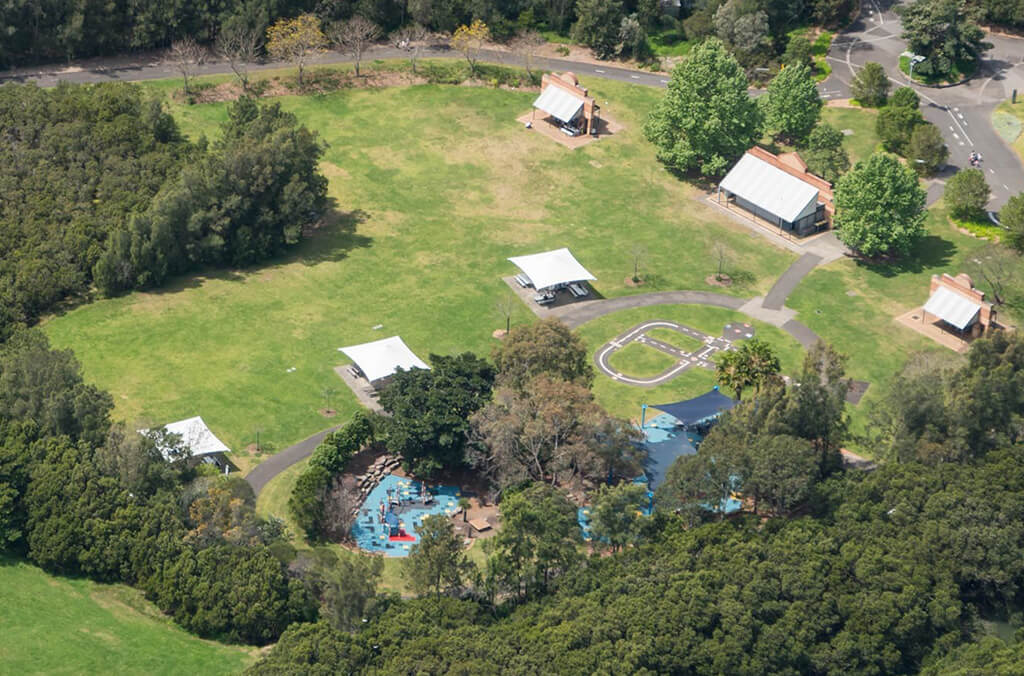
{"points": [[915, 59]]}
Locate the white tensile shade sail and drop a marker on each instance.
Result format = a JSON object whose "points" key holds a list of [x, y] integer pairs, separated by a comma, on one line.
{"points": [[552, 268], [381, 358], [952, 308], [770, 188], [195, 436], [559, 103]]}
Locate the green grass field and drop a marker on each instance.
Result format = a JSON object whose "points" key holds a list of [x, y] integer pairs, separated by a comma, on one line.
{"points": [[861, 121], [853, 306], [416, 242], [681, 340], [625, 400], [1008, 119], [53, 625], [640, 361]]}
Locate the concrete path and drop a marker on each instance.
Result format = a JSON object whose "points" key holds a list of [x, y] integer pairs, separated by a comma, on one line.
{"points": [[261, 475], [581, 313], [789, 280]]}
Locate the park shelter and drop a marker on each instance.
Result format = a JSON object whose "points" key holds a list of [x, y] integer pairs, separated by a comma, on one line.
{"points": [[563, 99], [552, 269], [779, 189], [698, 410], [201, 442], [382, 358], [957, 304]]}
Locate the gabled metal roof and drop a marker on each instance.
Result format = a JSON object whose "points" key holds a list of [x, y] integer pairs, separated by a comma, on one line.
{"points": [[559, 103], [770, 188], [952, 307]]}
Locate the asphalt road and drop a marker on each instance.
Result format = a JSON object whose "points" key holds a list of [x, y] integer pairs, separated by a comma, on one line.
{"points": [[153, 66], [963, 113]]}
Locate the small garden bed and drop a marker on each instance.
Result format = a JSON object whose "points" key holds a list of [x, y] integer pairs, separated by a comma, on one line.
{"points": [[962, 71], [981, 229]]}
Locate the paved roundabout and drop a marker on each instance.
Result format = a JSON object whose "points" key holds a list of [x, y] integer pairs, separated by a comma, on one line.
{"points": [[701, 357]]}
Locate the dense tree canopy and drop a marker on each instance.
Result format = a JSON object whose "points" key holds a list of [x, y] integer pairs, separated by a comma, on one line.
{"points": [[430, 409], [792, 105], [880, 207], [706, 119], [945, 33], [99, 186], [76, 164]]}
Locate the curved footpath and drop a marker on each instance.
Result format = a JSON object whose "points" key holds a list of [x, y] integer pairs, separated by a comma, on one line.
{"points": [[574, 316], [770, 309]]}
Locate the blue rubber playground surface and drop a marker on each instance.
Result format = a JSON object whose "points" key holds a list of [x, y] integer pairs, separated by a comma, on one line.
{"points": [[665, 441], [404, 509]]}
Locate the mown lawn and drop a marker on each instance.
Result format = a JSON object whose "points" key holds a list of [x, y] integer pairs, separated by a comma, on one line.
{"points": [[54, 625], [640, 361], [863, 140], [1007, 119], [433, 188], [625, 400], [853, 305]]}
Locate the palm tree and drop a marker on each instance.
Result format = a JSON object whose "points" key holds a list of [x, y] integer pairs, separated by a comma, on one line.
{"points": [[464, 505]]}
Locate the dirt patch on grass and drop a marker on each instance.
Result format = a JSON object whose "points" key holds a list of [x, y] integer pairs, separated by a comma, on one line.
{"points": [[332, 171]]}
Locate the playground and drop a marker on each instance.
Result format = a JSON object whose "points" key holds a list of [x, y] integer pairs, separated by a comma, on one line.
{"points": [[683, 346], [676, 432], [394, 509]]}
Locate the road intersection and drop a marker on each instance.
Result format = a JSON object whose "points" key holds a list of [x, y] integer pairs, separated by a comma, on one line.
{"points": [[963, 113]]}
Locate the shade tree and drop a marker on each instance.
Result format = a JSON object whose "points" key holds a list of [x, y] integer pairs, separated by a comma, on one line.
{"points": [[706, 119], [551, 431], [927, 150], [296, 40], [547, 347], [945, 33], [429, 410], [752, 364], [616, 514], [824, 152], [354, 37], [966, 194], [437, 564], [880, 207], [870, 85], [1012, 218], [792, 106], [538, 539]]}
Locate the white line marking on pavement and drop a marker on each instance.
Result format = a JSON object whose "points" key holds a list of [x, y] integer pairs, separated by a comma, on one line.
{"points": [[635, 77], [664, 82], [598, 70], [955, 135], [1005, 187], [992, 171]]}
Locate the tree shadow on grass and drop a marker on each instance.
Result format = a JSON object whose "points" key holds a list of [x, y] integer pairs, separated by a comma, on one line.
{"points": [[931, 252], [333, 239]]}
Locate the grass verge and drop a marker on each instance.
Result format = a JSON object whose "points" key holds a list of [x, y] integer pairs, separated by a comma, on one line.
{"points": [[1008, 119], [54, 625]]}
